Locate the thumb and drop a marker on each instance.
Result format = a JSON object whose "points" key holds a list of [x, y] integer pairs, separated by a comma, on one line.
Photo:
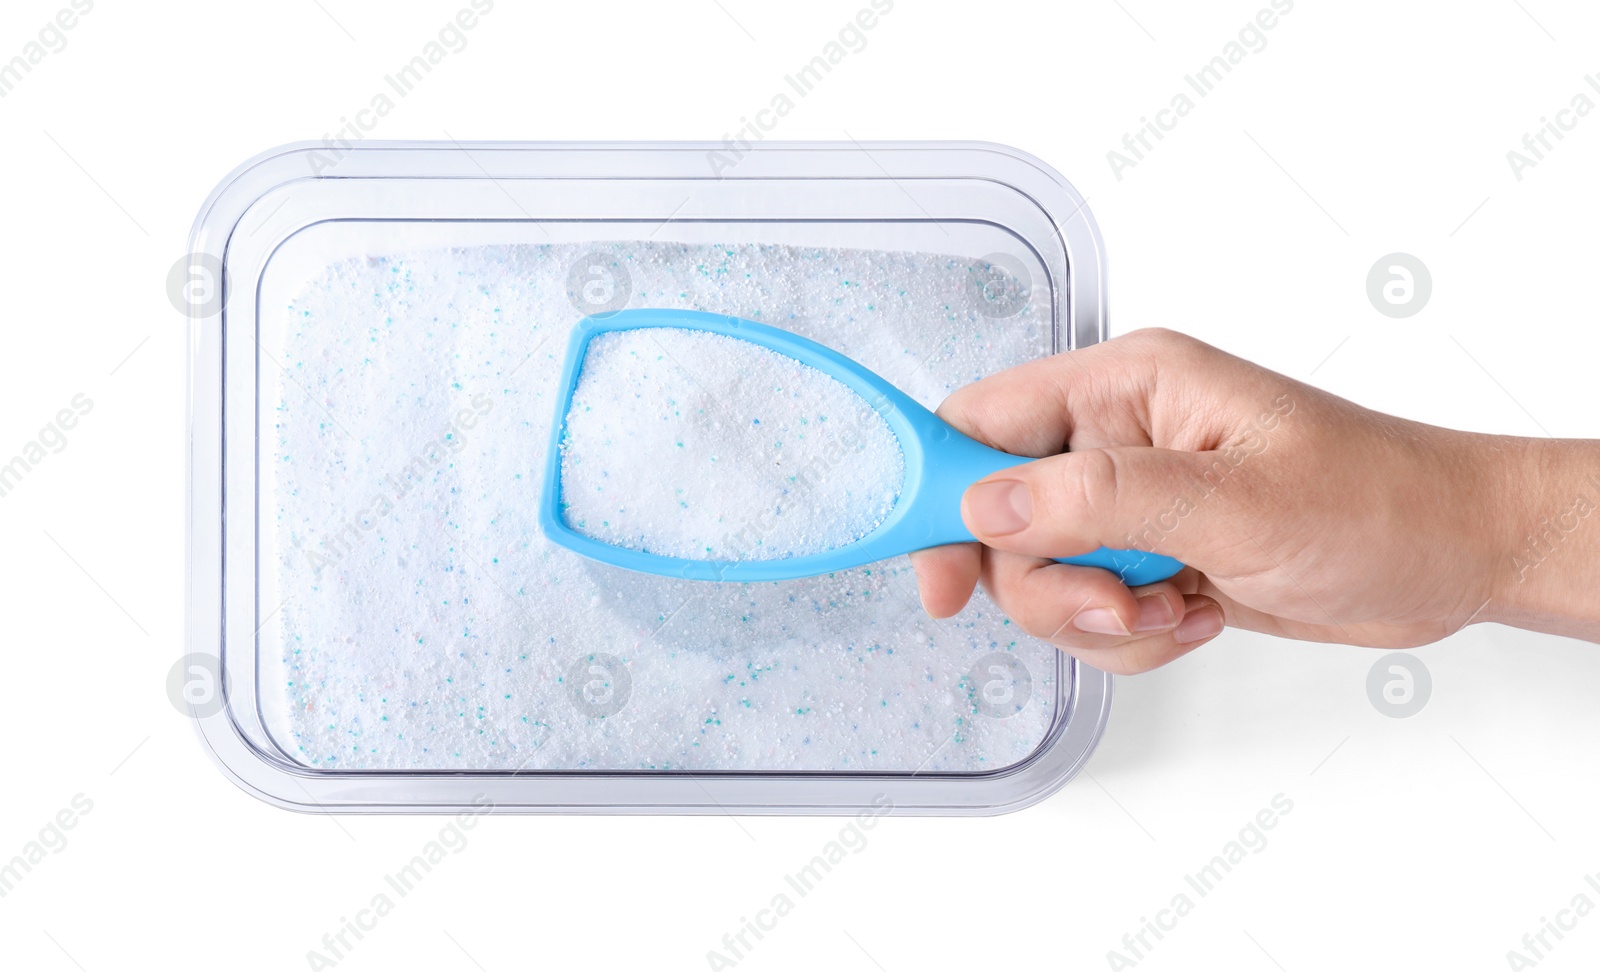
{"points": [[1128, 497]]}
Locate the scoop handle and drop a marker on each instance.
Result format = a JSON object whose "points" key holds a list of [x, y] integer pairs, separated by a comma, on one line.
{"points": [[954, 461]]}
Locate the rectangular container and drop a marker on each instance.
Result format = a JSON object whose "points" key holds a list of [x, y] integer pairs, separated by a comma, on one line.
{"points": [[376, 623]]}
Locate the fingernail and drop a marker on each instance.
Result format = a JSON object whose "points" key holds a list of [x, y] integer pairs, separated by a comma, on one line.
{"points": [[999, 508], [1198, 626], [1099, 621], [1155, 613]]}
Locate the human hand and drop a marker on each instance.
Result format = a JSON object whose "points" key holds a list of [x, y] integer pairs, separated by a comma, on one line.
{"points": [[1298, 513]]}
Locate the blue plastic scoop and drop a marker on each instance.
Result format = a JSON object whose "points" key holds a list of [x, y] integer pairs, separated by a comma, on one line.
{"points": [[940, 463]]}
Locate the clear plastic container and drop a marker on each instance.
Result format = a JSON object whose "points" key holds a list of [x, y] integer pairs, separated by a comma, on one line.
{"points": [[375, 334]]}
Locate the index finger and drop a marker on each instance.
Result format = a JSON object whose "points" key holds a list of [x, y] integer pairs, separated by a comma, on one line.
{"points": [[1149, 387]]}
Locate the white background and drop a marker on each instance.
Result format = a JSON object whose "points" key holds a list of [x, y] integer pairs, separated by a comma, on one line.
{"points": [[1361, 129]]}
